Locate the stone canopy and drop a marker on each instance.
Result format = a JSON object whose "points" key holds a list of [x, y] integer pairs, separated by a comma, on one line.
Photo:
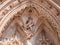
{"points": [[29, 22]]}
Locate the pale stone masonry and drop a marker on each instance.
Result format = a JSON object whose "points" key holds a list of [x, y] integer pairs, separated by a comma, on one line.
{"points": [[29, 22]]}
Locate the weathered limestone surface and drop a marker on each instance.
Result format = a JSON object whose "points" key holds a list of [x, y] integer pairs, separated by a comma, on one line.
{"points": [[29, 22]]}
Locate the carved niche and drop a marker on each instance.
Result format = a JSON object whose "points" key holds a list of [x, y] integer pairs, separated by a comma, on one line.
{"points": [[32, 25]]}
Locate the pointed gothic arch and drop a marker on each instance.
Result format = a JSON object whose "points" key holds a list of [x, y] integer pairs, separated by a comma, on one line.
{"points": [[32, 10]]}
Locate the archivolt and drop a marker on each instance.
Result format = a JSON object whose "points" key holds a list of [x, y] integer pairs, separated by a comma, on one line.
{"points": [[43, 12]]}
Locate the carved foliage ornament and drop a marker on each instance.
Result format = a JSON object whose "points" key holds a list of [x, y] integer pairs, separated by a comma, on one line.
{"points": [[30, 26]]}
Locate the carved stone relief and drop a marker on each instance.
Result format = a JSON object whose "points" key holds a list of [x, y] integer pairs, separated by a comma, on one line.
{"points": [[29, 23]]}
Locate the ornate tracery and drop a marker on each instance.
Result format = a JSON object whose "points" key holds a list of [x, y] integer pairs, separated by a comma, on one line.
{"points": [[30, 23]]}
